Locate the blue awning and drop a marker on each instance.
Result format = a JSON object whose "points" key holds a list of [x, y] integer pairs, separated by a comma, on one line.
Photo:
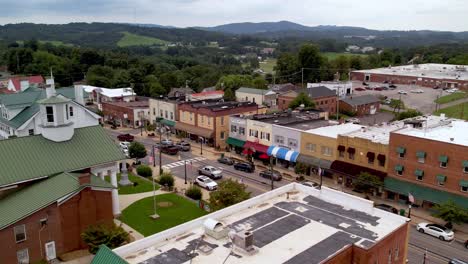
{"points": [[283, 153]]}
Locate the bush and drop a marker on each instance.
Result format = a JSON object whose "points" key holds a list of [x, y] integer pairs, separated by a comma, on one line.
{"points": [[166, 179], [151, 127], [301, 168], [194, 192], [144, 171], [110, 235]]}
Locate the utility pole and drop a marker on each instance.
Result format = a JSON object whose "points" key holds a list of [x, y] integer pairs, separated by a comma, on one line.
{"points": [[271, 173], [302, 82], [201, 145], [160, 152]]}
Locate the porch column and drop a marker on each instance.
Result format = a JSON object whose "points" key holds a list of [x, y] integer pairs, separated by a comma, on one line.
{"points": [[115, 193]]}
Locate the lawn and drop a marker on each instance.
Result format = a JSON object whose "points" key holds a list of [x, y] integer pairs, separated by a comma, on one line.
{"points": [[143, 185], [172, 209], [334, 55], [451, 97], [130, 39], [267, 65], [455, 111]]}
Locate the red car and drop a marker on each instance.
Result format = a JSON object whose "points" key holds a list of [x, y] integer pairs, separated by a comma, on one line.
{"points": [[359, 89], [125, 137]]}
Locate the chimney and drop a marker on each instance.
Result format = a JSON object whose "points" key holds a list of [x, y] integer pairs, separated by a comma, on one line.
{"points": [[79, 98], [24, 84], [50, 87], [85, 177]]}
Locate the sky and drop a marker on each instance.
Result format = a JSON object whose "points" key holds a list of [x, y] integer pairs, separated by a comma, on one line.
{"points": [[451, 15]]}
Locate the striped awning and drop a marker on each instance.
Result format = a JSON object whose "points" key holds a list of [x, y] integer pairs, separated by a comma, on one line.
{"points": [[282, 153]]}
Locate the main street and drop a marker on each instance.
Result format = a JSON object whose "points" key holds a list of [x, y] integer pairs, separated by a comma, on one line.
{"points": [[437, 252]]}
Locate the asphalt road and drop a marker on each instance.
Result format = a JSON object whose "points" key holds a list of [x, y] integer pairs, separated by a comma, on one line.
{"points": [[438, 252]]}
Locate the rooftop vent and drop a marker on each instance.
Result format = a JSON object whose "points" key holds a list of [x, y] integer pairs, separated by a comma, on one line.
{"points": [[215, 229], [452, 139], [244, 242]]}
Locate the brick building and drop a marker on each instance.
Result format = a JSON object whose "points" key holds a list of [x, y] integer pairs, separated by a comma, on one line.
{"points": [[427, 75], [324, 98], [429, 159], [210, 119], [360, 105], [291, 224], [127, 114]]}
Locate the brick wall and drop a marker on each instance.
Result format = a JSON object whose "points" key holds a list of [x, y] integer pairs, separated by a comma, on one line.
{"points": [[360, 109], [327, 103], [284, 101], [111, 111]]}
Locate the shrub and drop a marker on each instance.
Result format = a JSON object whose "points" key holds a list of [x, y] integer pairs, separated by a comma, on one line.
{"points": [[151, 127], [144, 171], [194, 192], [166, 179], [301, 168], [110, 235]]}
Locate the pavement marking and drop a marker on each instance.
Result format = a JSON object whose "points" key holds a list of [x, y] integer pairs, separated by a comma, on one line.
{"points": [[182, 162]]}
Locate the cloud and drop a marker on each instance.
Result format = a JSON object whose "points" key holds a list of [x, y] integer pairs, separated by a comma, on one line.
{"points": [[377, 14]]}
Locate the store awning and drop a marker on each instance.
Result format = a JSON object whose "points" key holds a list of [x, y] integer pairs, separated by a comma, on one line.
{"points": [[441, 178], [401, 150], [351, 150], [341, 148], [194, 130], [443, 158], [419, 172], [235, 142], [371, 155], [256, 146], [168, 122], [421, 154], [464, 183], [423, 193], [313, 161], [283, 153], [381, 157], [354, 170]]}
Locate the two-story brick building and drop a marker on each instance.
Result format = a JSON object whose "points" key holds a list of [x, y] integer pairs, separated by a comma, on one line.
{"points": [[324, 98], [360, 105], [127, 114], [428, 158]]}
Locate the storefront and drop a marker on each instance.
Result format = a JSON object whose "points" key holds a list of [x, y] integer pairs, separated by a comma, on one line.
{"points": [[256, 150], [315, 165], [235, 144], [195, 133], [284, 156]]}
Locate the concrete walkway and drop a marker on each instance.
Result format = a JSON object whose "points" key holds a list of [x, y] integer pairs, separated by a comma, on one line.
{"points": [[127, 199], [457, 102]]}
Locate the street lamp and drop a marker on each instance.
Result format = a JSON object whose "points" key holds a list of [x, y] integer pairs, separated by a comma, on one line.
{"points": [[201, 145], [185, 169]]}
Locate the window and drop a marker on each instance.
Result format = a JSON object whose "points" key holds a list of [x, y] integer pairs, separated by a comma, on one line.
{"points": [[421, 155], [165, 114], [66, 112], [389, 260], [351, 155], [268, 136], [441, 179], [253, 133], [161, 112], [399, 169], [31, 132], [222, 135], [253, 99], [50, 114], [397, 252], [419, 174], [292, 143], [381, 159], [222, 120], [154, 111], [20, 233], [310, 147], [443, 160], [401, 152], [326, 151], [464, 188], [22, 256], [191, 116], [370, 157], [172, 115], [70, 109], [279, 139], [465, 166], [341, 153], [233, 128], [209, 120], [202, 119], [241, 131]]}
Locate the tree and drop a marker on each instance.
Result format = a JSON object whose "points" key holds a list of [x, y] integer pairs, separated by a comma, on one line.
{"points": [[309, 57], [259, 83], [137, 150], [229, 95], [396, 103], [367, 182], [110, 235], [229, 192], [451, 213], [408, 114], [286, 65], [234, 81], [302, 99]]}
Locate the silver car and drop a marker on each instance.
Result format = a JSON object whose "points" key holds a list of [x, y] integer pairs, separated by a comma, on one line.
{"points": [[210, 171], [436, 230]]}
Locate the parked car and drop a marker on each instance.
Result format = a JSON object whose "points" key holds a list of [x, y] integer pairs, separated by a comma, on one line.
{"points": [[378, 89], [124, 145], [125, 137], [364, 83], [167, 142], [436, 230], [387, 208], [276, 175], [206, 183], [417, 91], [402, 92], [126, 153], [210, 171], [171, 150], [244, 166], [392, 86], [466, 244], [359, 89], [310, 184], [353, 120], [387, 101], [456, 261], [227, 161], [183, 146]]}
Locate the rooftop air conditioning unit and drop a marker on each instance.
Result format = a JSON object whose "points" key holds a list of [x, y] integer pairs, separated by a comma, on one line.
{"points": [[244, 241]]}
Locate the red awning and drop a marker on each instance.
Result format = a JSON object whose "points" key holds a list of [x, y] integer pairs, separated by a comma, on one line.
{"points": [[256, 146], [264, 156]]}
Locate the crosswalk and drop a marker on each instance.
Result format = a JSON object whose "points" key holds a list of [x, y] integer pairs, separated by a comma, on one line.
{"points": [[181, 163]]}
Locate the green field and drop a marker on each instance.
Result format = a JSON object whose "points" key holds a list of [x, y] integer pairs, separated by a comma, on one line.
{"points": [[334, 55], [455, 111], [172, 210], [451, 97], [130, 39], [267, 65]]}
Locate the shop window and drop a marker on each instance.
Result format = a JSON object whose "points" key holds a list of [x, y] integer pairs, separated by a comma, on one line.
{"points": [[310, 147], [20, 233], [233, 128], [241, 131]]}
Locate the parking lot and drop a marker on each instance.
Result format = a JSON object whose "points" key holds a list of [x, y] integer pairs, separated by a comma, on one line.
{"points": [[424, 102]]}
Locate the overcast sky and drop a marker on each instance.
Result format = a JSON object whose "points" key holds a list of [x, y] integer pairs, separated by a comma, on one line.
{"points": [[375, 14]]}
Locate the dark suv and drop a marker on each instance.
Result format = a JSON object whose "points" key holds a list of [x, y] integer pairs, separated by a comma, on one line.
{"points": [[171, 150], [244, 166], [269, 174]]}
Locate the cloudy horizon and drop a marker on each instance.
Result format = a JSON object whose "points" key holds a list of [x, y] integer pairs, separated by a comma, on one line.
{"points": [[447, 15]]}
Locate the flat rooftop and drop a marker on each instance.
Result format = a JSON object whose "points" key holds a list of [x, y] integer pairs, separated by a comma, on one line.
{"points": [[279, 220], [428, 70], [377, 134], [218, 104], [438, 128], [334, 131]]}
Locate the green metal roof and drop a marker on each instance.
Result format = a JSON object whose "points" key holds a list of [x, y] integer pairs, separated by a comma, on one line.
{"points": [[441, 178], [401, 150], [105, 256], [464, 183], [252, 91], [27, 158], [168, 122], [421, 154], [399, 167], [235, 142], [443, 158], [423, 193], [54, 100], [419, 172], [24, 202]]}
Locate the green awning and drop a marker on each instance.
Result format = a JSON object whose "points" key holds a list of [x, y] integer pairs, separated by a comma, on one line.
{"points": [[421, 154], [441, 178], [465, 163], [168, 122], [464, 183], [419, 172], [399, 167], [443, 158], [235, 142], [401, 150], [423, 193]]}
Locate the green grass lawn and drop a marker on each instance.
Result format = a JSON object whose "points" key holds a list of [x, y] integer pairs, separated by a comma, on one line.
{"points": [[455, 111], [451, 97], [130, 39], [143, 185], [334, 55], [267, 67], [179, 211]]}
